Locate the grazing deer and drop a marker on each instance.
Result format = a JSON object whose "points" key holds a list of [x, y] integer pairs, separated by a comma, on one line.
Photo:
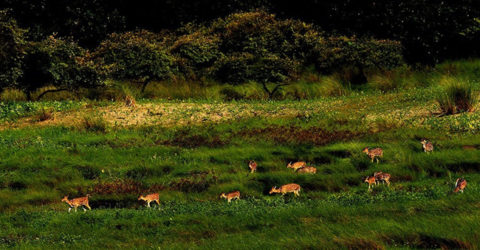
{"points": [[371, 181], [427, 146], [230, 196], [373, 153], [382, 177], [149, 198], [460, 185], [297, 165], [253, 166], [77, 202], [310, 170], [288, 188], [130, 101]]}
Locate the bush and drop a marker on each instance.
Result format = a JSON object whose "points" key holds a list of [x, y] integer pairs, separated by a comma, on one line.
{"points": [[140, 56], [93, 124], [458, 96], [11, 50], [60, 63]]}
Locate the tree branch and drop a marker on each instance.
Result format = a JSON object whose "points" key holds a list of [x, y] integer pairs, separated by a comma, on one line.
{"points": [[50, 91]]}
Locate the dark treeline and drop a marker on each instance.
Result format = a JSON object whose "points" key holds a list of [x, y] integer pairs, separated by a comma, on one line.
{"points": [[430, 30]]}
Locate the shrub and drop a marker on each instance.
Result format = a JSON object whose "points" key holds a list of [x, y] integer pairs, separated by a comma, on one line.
{"points": [[139, 56], [11, 50], [458, 96], [93, 124], [60, 63]]}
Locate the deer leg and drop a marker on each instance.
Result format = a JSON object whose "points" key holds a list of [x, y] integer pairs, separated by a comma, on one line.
{"points": [[377, 160], [388, 183], [148, 204], [84, 209], [88, 206], [69, 209], [158, 202], [75, 209]]}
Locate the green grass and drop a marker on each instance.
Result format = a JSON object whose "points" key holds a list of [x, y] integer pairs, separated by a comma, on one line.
{"points": [[190, 161]]}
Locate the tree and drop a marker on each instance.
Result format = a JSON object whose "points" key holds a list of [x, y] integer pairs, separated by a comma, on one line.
{"points": [[136, 56], [61, 63], [12, 45]]}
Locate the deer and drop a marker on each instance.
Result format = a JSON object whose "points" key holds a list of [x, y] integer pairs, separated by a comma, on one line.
{"points": [[230, 196], [149, 198], [130, 101], [288, 188], [382, 177], [77, 202], [371, 181], [309, 170], [460, 185], [427, 146], [373, 153], [253, 166], [296, 165]]}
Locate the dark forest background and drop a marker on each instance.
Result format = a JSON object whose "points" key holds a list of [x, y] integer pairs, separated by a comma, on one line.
{"points": [[430, 30]]}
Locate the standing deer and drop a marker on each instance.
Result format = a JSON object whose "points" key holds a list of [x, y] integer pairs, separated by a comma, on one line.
{"points": [[149, 198], [77, 202], [310, 170], [382, 177], [371, 181], [230, 196], [297, 165], [253, 166], [130, 101], [288, 188], [427, 146], [460, 185], [373, 153]]}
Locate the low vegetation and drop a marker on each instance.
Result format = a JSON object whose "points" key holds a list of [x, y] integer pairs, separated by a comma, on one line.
{"points": [[192, 151]]}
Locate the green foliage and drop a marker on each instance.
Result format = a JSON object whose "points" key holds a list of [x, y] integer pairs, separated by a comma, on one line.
{"points": [[196, 51], [458, 96], [12, 40], [244, 67], [60, 63], [135, 56]]}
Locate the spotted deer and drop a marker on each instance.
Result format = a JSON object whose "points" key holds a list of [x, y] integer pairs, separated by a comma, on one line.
{"points": [[149, 198], [460, 185], [373, 153], [77, 202], [130, 101], [230, 196], [427, 146], [253, 166], [288, 188], [309, 170], [297, 165], [382, 177], [371, 181]]}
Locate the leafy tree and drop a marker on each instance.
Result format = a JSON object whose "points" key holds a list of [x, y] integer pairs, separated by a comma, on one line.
{"points": [[12, 45], [138, 56], [60, 63]]}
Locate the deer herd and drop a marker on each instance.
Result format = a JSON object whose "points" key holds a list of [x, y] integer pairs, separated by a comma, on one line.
{"points": [[298, 167]]}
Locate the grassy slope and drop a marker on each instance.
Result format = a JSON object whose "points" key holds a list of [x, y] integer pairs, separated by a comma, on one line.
{"points": [[191, 152]]}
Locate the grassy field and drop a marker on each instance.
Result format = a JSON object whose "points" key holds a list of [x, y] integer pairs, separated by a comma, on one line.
{"points": [[191, 151]]}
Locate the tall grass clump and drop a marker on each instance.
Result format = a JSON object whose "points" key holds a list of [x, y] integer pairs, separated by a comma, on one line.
{"points": [[91, 123], [457, 96]]}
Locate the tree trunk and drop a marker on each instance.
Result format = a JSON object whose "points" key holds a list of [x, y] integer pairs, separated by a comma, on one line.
{"points": [[272, 92], [145, 83], [48, 91]]}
